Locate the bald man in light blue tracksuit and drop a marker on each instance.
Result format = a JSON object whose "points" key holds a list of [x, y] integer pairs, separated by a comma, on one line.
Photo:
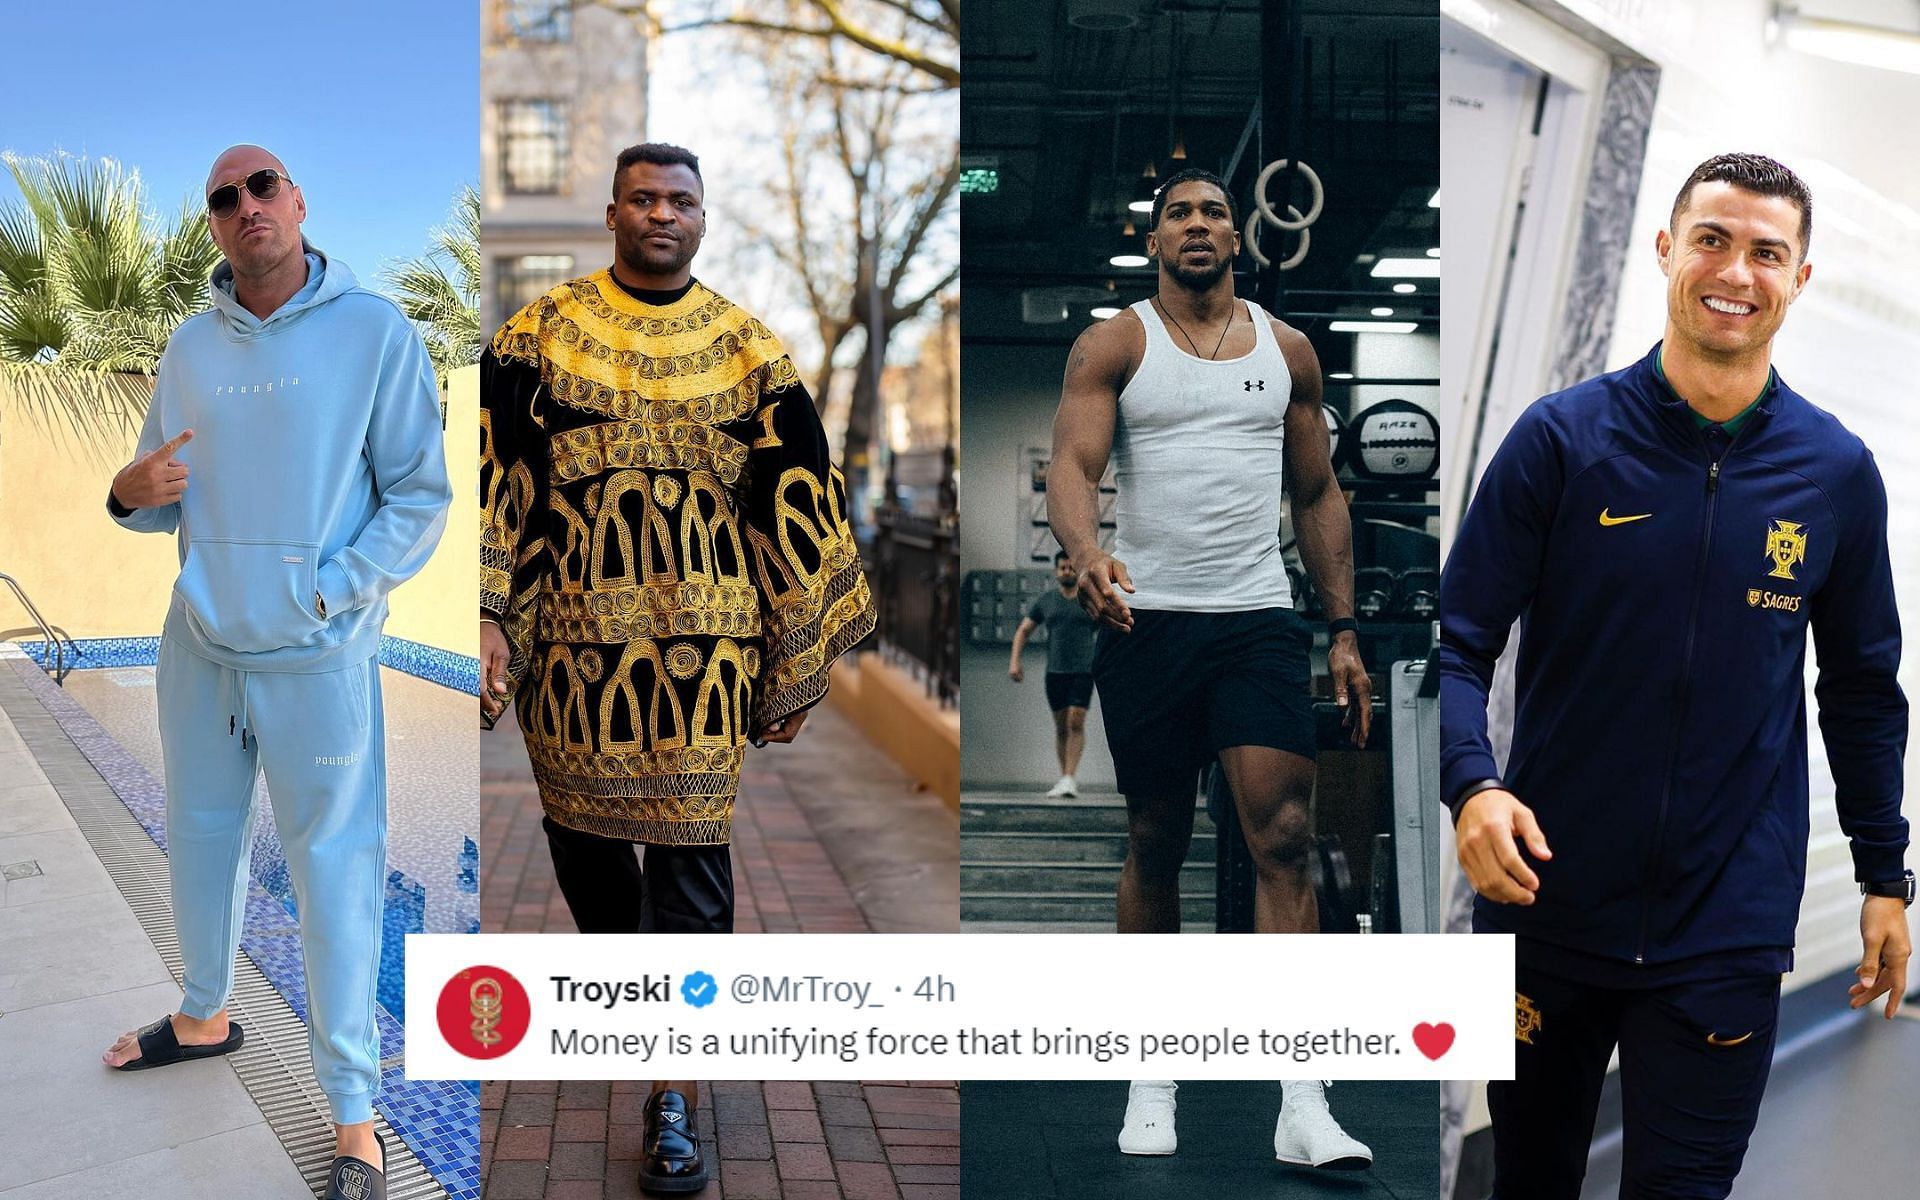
{"points": [[318, 485]]}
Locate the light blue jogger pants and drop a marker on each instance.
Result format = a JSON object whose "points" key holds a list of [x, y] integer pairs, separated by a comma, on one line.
{"points": [[320, 739]]}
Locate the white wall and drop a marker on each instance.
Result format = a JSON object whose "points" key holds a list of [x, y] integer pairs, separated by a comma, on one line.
{"points": [[1396, 356], [1008, 395], [1484, 99]]}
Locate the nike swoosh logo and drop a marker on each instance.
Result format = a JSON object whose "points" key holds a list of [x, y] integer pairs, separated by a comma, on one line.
{"points": [[1609, 520], [1714, 1039]]}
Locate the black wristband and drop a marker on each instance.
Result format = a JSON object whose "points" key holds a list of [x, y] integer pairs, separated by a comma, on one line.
{"points": [[1469, 792], [1340, 625]]}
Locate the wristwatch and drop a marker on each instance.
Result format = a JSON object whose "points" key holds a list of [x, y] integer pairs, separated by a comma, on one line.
{"points": [[1901, 888], [320, 605]]}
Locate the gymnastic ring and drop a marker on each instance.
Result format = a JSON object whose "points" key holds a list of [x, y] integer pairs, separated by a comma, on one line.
{"points": [[1266, 210], [1252, 240]]}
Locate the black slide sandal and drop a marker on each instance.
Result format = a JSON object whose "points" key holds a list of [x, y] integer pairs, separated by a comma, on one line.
{"points": [[356, 1179], [160, 1048]]}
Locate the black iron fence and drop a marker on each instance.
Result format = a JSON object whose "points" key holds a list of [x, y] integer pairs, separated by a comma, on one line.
{"points": [[915, 570]]}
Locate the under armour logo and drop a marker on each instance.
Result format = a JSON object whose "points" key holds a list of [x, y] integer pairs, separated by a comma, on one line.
{"points": [[1254, 385]]}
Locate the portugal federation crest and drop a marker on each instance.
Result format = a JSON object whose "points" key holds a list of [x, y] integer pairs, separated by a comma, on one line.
{"points": [[1526, 1019], [1786, 547]]}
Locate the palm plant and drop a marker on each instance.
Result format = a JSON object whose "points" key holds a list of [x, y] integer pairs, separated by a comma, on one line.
{"points": [[87, 278], [91, 285], [440, 290]]}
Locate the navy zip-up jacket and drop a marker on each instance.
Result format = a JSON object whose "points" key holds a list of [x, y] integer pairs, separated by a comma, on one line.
{"points": [[1665, 577]]}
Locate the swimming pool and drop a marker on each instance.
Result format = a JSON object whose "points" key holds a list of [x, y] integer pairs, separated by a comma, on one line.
{"points": [[108, 707]]}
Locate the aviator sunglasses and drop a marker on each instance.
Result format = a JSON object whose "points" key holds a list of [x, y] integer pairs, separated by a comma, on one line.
{"points": [[225, 199]]}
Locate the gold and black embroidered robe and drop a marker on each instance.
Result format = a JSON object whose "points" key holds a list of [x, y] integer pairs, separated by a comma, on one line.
{"points": [[664, 541]]}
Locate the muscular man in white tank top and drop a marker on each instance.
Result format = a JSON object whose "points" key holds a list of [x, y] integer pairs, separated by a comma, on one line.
{"points": [[1203, 400]]}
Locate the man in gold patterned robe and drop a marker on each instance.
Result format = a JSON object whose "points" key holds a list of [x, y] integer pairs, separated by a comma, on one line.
{"points": [[665, 557], [666, 571]]}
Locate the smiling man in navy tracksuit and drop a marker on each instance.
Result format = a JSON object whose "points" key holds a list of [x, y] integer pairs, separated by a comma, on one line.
{"points": [[1667, 534]]}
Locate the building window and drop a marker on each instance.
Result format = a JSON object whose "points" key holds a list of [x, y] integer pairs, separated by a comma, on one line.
{"points": [[524, 278], [536, 20], [533, 146]]}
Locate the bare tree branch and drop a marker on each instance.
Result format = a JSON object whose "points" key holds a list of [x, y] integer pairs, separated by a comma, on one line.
{"points": [[928, 212], [939, 62], [858, 212], [746, 23], [911, 308], [896, 50], [938, 24], [878, 85]]}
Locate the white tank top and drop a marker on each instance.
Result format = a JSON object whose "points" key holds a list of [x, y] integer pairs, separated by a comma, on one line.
{"points": [[1197, 458]]}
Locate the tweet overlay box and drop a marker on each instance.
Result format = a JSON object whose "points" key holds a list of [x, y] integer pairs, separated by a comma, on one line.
{"points": [[942, 1006]]}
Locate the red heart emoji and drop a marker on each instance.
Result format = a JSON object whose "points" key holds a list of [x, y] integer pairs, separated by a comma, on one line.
{"points": [[1433, 1040]]}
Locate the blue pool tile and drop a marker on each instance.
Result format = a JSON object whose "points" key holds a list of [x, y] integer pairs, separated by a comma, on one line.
{"points": [[405, 912], [90, 653], [469, 881], [460, 672], [457, 671]]}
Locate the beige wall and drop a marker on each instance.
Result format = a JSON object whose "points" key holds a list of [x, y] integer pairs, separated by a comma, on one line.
{"points": [[95, 579], [896, 715], [441, 605]]}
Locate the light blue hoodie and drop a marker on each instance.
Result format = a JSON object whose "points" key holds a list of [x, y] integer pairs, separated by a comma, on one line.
{"points": [[316, 465]]}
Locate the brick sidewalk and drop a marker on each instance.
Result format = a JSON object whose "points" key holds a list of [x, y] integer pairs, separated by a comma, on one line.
{"points": [[784, 879], [765, 1141]]}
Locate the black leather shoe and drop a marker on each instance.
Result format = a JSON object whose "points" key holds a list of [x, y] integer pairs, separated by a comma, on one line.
{"points": [[673, 1162]]}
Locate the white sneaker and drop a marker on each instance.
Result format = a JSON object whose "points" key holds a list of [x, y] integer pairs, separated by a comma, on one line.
{"points": [[1308, 1136], [1149, 1125], [1066, 787]]}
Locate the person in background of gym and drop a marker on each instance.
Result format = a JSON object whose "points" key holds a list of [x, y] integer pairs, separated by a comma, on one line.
{"points": [[1069, 667]]}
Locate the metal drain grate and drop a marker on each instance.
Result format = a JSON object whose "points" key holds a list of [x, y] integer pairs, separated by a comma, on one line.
{"points": [[274, 1065]]}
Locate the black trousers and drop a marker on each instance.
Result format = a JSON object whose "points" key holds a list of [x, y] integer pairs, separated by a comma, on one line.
{"points": [[609, 889], [1694, 1057]]}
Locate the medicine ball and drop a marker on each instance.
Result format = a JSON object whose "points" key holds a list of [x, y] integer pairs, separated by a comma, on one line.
{"points": [[1393, 440]]}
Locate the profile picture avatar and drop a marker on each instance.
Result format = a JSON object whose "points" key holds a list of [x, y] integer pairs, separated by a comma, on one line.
{"points": [[484, 1012]]}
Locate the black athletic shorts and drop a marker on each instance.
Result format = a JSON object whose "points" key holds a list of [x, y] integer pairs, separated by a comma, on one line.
{"points": [[1183, 686], [1072, 689]]}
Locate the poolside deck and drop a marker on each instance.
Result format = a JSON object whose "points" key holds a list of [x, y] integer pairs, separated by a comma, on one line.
{"points": [[79, 968], [87, 950]]}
